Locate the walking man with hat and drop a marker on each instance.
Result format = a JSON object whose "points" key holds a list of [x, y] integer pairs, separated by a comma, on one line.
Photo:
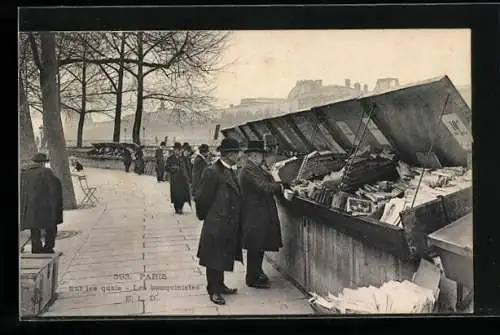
{"points": [[186, 154], [41, 203], [179, 179], [261, 225], [160, 163], [200, 163], [218, 201]]}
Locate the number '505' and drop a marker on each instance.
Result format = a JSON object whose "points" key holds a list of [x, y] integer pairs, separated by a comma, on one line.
{"points": [[121, 276]]}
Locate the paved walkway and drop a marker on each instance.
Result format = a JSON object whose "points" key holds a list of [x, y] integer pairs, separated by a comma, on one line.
{"points": [[133, 256]]}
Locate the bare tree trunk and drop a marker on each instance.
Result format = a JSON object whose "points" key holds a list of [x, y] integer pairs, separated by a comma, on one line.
{"points": [[58, 84], [52, 118], [119, 92], [136, 130], [27, 141], [83, 110]]}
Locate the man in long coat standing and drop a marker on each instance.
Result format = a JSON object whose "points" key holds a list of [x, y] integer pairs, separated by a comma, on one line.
{"points": [[200, 163], [218, 203], [186, 154], [139, 164], [41, 204], [179, 179], [160, 163], [127, 159], [261, 226]]}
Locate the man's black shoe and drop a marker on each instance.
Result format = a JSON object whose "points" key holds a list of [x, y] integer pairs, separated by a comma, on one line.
{"points": [[263, 277], [216, 298], [227, 290], [258, 284]]}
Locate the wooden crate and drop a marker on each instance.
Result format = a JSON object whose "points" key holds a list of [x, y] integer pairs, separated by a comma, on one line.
{"points": [[455, 246], [38, 277]]}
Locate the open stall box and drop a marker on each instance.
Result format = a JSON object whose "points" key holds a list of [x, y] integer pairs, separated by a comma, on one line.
{"points": [[39, 278], [454, 245], [355, 166]]}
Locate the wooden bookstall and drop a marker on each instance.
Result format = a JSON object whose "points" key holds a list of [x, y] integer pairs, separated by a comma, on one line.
{"points": [[326, 250]]}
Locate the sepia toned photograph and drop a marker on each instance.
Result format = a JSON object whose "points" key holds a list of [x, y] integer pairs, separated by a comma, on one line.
{"points": [[245, 173]]}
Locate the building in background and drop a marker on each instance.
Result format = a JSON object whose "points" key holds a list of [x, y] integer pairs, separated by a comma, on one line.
{"points": [[161, 122], [304, 95], [384, 84], [310, 93]]}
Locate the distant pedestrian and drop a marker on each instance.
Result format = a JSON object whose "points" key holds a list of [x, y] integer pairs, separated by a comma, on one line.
{"points": [[41, 204], [179, 179], [160, 163], [219, 204], [127, 159], [186, 154], [200, 163], [139, 161], [261, 225]]}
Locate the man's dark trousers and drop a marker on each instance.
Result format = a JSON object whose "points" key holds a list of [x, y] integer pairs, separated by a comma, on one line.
{"points": [[254, 265], [215, 281], [36, 240], [178, 206]]}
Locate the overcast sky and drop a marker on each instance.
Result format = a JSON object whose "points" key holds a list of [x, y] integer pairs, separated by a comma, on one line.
{"points": [[268, 63]]}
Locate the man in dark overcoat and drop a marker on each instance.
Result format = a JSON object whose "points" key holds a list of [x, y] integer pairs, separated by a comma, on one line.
{"points": [[127, 159], [179, 179], [139, 164], [41, 204], [200, 163], [160, 163], [261, 226], [218, 204], [186, 154]]}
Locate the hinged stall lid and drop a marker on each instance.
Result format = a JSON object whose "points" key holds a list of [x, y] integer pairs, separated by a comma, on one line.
{"points": [[264, 128], [249, 133], [315, 131], [260, 127], [346, 120], [234, 133], [409, 117], [286, 130]]}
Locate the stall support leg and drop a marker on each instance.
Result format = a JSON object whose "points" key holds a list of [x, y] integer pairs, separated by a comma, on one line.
{"points": [[463, 302]]}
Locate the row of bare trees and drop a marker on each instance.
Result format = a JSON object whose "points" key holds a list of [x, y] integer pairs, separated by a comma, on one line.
{"points": [[96, 70], [81, 73]]}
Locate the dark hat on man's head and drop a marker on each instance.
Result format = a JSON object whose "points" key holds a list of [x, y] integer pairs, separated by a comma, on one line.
{"points": [[203, 149], [186, 146], [177, 145], [255, 146], [229, 145], [40, 157]]}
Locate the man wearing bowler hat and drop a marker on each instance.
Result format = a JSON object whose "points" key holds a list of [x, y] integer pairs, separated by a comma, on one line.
{"points": [[187, 153], [160, 162], [261, 225], [218, 201], [200, 163], [41, 203], [179, 179]]}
